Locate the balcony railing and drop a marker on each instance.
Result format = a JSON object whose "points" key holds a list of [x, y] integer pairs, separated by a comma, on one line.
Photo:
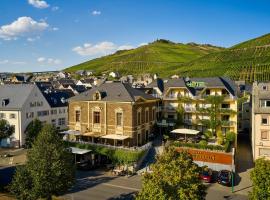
{"points": [[172, 97], [189, 109], [141, 148], [227, 123]]}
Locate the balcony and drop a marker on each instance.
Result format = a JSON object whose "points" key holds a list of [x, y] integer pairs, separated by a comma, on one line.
{"points": [[227, 123], [189, 109], [169, 109], [188, 121], [172, 97]]}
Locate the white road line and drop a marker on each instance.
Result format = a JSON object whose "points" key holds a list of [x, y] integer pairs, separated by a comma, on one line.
{"points": [[122, 187]]}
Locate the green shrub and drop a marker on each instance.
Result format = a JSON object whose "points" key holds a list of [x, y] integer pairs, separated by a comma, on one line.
{"points": [[198, 146], [118, 156], [230, 136], [203, 142], [227, 146], [220, 138], [208, 134]]}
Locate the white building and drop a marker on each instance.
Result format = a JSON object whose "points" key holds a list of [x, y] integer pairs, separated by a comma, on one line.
{"points": [[21, 103], [260, 117]]}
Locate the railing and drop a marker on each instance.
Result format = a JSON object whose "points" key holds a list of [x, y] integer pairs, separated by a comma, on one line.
{"points": [[173, 97], [169, 108], [141, 148], [227, 123], [187, 121], [189, 109]]}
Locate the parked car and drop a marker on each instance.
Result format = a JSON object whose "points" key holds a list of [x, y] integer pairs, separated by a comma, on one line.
{"points": [[206, 175], [225, 177]]}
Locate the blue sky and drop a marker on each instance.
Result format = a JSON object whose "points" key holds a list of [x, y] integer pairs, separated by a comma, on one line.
{"points": [[37, 35]]}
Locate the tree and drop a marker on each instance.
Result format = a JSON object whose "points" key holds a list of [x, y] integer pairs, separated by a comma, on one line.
{"points": [[50, 167], [260, 177], [174, 176], [32, 132], [6, 130], [213, 112]]}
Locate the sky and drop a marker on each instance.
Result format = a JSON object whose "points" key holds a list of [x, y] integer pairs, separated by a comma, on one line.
{"points": [[39, 35]]}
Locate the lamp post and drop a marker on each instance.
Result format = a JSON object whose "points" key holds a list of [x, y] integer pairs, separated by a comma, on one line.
{"points": [[232, 179]]}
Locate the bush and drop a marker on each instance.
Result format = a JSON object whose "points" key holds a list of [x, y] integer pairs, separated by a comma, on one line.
{"points": [[208, 134], [227, 146], [230, 137], [203, 142], [220, 138], [198, 146], [117, 156]]}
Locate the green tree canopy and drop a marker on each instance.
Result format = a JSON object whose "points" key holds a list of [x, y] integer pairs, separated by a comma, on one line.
{"points": [[174, 177], [260, 177], [6, 129], [49, 165], [32, 131]]}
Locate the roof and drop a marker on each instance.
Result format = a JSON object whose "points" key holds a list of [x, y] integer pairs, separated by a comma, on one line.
{"points": [[185, 131], [15, 94], [55, 98], [113, 91], [209, 82], [75, 150]]}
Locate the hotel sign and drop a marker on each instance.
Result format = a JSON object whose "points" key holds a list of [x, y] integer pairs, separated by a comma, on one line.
{"points": [[208, 156], [195, 84]]}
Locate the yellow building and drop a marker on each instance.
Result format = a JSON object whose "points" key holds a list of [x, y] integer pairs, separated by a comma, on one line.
{"points": [[190, 94]]}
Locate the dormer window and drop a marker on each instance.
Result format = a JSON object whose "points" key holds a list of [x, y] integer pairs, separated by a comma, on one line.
{"points": [[264, 87], [97, 96], [5, 102]]}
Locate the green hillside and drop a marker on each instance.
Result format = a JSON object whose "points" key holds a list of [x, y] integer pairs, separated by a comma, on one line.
{"points": [[249, 60], [246, 61], [161, 56]]}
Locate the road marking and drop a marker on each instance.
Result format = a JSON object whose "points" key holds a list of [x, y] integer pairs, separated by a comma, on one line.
{"points": [[122, 187]]}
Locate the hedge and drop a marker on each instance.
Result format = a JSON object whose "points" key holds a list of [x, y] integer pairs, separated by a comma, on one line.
{"points": [[199, 146], [118, 156]]}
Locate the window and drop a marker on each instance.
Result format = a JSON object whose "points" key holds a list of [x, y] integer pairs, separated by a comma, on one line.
{"points": [[53, 112], [43, 113], [54, 122], [2, 115], [264, 87], [225, 106], [224, 92], [12, 116], [153, 114], [147, 116], [77, 115], [264, 135], [264, 121], [119, 119], [265, 103], [96, 117], [61, 121], [29, 115], [207, 92], [139, 118], [264, 152]]}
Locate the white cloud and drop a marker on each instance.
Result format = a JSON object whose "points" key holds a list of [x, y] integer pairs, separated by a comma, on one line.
{"points": [[3, 62], [142, 44], [55, 28], [125, 47], [33, 39], [96, 12], [23, 26], [49, 61], [102, 48], [55, 8], [39, 3]]}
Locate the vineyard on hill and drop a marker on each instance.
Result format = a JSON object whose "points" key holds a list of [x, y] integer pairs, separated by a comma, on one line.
{"points": [[248, 61]]}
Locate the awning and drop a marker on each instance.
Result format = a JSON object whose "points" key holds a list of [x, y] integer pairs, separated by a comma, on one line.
{"points": [[185, 131], [71, 132], [115, 137], [79, 151], [91, 134]]}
